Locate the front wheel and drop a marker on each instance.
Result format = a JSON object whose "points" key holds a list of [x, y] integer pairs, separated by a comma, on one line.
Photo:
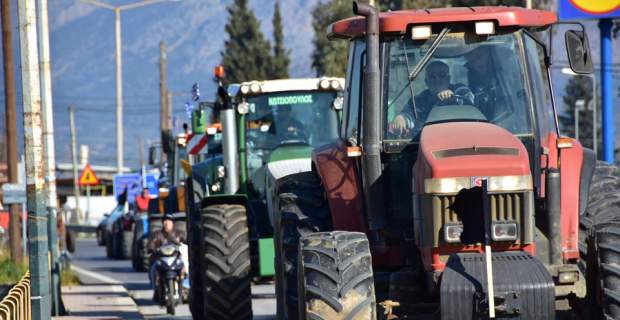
{"points": [[301, 209], [170, 301], [335, 277]]}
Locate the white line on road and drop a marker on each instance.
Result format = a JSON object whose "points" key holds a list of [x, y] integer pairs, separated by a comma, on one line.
{"points": [[100, 277]]}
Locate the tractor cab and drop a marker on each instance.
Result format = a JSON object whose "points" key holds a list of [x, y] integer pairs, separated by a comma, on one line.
{"points": [[450, 191]]}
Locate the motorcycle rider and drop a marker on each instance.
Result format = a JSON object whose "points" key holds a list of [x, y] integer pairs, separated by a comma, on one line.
{"points": [[167, 235]]}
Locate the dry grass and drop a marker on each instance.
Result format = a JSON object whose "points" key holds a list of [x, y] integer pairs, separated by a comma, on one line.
{"points": [[68, 277]]}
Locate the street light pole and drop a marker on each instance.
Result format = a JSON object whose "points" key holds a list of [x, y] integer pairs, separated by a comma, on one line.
{"points": [[119, 68], [119, 93]]}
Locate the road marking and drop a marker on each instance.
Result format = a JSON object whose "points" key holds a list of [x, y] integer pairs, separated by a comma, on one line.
{"points": [[100, 277]]}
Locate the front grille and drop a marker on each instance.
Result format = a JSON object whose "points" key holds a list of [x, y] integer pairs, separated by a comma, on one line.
{"points": [[514, 207], [504, 207]]}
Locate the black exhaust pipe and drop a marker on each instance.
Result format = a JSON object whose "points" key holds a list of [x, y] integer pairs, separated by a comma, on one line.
{"points": [[371, 147], [553, 203]]}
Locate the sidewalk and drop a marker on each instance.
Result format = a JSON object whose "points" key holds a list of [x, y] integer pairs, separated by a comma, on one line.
{"points": [[98, 301], [98, 297]]}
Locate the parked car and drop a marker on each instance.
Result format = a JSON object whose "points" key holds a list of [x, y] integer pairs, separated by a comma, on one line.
{"points": [[106, 232]]}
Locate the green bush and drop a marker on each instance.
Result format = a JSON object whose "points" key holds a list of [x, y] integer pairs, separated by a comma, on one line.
{"points": [[10, 271]]}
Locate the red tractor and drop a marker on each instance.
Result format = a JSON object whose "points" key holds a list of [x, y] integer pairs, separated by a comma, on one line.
{"points": [[450, 193]]}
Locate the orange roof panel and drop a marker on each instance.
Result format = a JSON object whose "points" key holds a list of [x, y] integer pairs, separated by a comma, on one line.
{"points": [[397, 21]]}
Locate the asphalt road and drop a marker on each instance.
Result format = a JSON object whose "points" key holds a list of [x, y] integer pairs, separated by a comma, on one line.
{"points": [[99, 269]]}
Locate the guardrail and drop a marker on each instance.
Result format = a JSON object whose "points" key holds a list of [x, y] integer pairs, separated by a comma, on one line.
{"points": [[16, 304]]}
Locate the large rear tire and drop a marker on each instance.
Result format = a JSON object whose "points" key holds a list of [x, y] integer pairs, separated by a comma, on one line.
{"points": [[226, 262], [301, 208], [604, 271], [335, 276], [603, 201]]}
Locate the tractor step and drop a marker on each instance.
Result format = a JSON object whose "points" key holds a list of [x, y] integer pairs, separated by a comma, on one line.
{"points": [[523, 287]]}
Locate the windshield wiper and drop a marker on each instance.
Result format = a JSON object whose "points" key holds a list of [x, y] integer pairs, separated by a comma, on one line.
{"points": [[420, 65], [427, 56]]}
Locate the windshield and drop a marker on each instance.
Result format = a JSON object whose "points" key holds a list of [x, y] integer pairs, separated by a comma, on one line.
{"points": [[468, 78], [292, 117]]}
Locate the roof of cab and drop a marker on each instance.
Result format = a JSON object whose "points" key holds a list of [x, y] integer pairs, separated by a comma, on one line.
{"points": [[397, 21]]}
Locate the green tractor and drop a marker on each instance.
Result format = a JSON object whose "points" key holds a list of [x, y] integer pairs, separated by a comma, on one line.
{"points": [[269, 129]]}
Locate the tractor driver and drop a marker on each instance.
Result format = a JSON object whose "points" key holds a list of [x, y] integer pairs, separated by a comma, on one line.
{"points": [[286, 126], [440, 91]]}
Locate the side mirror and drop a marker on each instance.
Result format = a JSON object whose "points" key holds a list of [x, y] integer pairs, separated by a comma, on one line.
{"points": [[106, 215], [578, 51], [153, 155]]}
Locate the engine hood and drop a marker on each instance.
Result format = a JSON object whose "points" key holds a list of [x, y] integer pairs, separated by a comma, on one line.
{"points": [[466, 149]]}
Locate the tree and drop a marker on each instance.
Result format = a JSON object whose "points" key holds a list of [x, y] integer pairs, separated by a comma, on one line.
{"points": [[329, 57], [247, 54], [579, 88], [281, 55]]}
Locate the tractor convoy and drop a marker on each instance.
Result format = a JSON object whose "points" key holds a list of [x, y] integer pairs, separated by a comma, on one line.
{"points": [[444, 191], [433, 184]]}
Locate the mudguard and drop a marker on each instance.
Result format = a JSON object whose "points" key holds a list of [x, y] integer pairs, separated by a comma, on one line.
{"points": [[587, 171], [342, 186]]}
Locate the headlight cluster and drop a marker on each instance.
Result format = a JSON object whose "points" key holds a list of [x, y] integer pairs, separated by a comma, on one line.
{"points": [[221, 171], [494, 184], [243, 107], [500, 231], [326, 84], [251, 88]]}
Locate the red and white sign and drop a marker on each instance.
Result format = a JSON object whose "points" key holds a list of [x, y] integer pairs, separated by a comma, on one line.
{"points": [[197, 143]]}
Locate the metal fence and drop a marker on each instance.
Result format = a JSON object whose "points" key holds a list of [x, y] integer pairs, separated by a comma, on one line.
{"points": [[16, 304]]}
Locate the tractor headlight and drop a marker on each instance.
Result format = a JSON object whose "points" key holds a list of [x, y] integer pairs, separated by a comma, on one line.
{"points": [[221, 171], [245, 89], [452, 233], [485, 27], [215, 187], [243, 107], [324, 84], [504, 231], [335, 84], [446, 185], [255, 87], [338, 103], [509, 183]]}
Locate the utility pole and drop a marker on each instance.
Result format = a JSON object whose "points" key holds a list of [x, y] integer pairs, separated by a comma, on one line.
{"points": [[168, 118], [76, 186], [33, 148], [163, 97], [141, 151], [11, 129], [49, 160]]}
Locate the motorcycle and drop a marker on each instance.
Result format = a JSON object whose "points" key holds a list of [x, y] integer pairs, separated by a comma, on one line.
{"points": [[169, 278]]}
